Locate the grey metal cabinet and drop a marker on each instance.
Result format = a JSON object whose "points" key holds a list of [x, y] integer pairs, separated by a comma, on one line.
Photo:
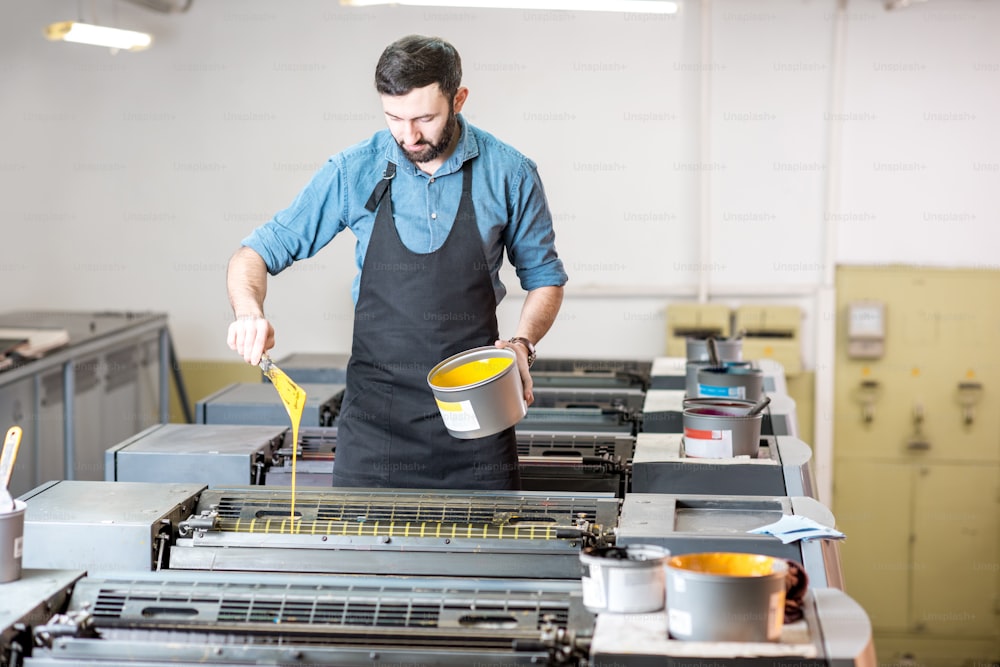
{"points": [[108, 383]]}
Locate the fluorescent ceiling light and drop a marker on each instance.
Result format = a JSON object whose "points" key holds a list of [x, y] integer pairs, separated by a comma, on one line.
{"points": [[626, 6], [85, 33]]}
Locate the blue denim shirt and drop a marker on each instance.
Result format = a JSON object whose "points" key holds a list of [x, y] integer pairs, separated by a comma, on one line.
{"points": [[511, 208]]}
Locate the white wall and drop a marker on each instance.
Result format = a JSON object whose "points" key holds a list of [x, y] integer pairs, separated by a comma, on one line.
{"points": [[127, 180]]}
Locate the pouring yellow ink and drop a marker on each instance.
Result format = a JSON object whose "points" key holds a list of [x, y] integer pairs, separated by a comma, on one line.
{"points": [[294, 399]]}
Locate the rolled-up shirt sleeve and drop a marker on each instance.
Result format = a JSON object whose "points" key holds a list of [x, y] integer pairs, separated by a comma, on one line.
{"points": [[307, 225], [530, 237]]}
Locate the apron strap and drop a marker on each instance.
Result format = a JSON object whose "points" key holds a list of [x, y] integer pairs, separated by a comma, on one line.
{"points": [[381, 187]]}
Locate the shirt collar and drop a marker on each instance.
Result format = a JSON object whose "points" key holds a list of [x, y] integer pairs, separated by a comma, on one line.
{"points": [[467, 149]]}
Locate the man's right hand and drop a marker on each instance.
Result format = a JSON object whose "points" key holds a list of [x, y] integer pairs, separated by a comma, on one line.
{"points": [[251, 336]]}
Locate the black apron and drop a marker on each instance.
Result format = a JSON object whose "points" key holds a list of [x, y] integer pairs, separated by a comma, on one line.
{"points": [[415, 310]]}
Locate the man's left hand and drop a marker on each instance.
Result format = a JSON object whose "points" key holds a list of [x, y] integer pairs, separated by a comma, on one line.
{"points": [[522, 365]]}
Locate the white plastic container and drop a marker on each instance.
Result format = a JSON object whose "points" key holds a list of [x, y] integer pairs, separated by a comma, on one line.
{"points": [[624, 580]]}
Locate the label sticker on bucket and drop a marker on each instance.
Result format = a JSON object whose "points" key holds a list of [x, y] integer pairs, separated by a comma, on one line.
{"points": [[593, 589], [711, 391], [775, 615], [679, 622], [458, 416], [705, 444], [18, 547]]}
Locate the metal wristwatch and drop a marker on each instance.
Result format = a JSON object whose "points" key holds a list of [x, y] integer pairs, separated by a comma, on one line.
{"points": [[528, 346]]}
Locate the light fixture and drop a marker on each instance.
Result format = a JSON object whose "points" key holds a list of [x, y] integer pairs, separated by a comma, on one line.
{"points": [[625, 6], [97, 35]]}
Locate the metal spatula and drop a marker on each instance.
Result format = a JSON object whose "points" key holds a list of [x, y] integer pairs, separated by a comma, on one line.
{"points": [[11, 443]]}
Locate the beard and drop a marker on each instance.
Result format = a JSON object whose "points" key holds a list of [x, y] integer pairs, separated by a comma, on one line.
{"points": [[432, 151]]}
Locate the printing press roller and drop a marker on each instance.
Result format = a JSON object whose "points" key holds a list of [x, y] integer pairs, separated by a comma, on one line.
{"points": [[414, 532], [144, 526], [781, 468], [691, 523], [227, 618]]}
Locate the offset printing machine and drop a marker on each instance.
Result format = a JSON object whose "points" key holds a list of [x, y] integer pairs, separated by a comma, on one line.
{"points": [[54, 617], [27, 602], [139, 526], [781, 468], [230, 454]]}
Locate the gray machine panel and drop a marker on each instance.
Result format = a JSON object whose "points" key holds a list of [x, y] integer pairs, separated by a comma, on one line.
{"points": [[209, 454], [619, 446], [28, 602], [103, 526], [685, 523], [578, 419], [638, 370], [629, 399], [780, 469], [259, 403], [314, 367], [834, 632], [230, 618]]}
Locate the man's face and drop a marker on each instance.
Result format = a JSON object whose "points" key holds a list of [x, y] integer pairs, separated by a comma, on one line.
{"points": [[422, 122]]}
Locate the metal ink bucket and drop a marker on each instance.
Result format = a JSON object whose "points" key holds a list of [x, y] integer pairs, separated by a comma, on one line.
{"points": [[478, 392], [726, 597]]}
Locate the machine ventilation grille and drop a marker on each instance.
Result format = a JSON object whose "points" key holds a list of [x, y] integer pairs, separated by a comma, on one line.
{"points": [[118, 606]]}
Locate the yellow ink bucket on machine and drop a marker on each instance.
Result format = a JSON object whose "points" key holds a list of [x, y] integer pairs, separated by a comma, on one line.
{"points": [[478, 392], [726, 597]]}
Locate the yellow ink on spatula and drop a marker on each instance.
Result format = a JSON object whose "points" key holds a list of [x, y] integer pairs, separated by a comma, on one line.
{"points": [[294, 398]]}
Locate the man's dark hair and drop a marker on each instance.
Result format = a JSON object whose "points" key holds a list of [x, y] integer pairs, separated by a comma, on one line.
{"points": [[416, 61]]}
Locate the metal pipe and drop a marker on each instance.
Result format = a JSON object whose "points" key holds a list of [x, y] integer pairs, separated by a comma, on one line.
{"points": [[826, 297], [69, 443], [704, 153]]}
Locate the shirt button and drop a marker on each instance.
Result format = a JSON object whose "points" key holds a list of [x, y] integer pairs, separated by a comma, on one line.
{"points": [[434, 216], [432, 179]]}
